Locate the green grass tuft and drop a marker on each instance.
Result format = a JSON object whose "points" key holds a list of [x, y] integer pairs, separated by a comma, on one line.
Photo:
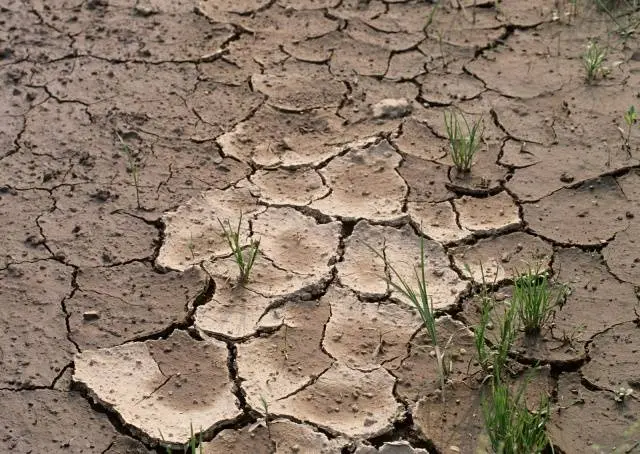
{"points": [[464, 140], [244, 259]]}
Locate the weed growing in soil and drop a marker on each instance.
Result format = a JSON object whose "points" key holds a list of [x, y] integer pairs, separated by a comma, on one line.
{"points": [[463, 142], [132, 168], [422, 302], [535, 299], [244, 260], [510, 426], [194, 445], [593, 61], [630, 118]]}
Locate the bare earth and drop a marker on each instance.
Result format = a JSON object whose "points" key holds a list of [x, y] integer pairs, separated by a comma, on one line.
{"points": [[321, 121]]}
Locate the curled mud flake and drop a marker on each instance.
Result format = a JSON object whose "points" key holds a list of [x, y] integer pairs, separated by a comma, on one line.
{"points": [[271, 138], [287, 436], [444, 89], [630, 185], [299, 89], [153, 389], [244, 7], [418, 141], [389, 447], [418, 374], [592, 288], [364, 184], [528, 120], [583, 419], [407, 65], [351, 57], [356, 9], [427, 180], [521, 154], [589, 214], [308, 4], [298, 187], [192, 232], [402, 251], [234, 311], [456, 422], [296, 242], [491, 214], [366, 335], [275, 366], [528, 14], [396, 42], [623, 252], [613, 358], [117, 304], [345, 401], [20, 237], [33, 340], [361, 270], [437, 221], [40, 417], [501, 256]]}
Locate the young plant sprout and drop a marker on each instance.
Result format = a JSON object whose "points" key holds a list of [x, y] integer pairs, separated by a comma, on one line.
{"points": [[510, 426], [464, 140], [535, 299], [244, 259], [422, 302], [630, 118], [132, 168], [593, 61]]}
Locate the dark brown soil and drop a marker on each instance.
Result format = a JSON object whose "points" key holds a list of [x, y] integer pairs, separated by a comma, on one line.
{"points": [[129, 127]]}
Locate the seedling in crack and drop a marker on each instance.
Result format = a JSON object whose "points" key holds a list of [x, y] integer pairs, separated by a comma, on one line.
{"points": [[194, 445], [464, 140], [510, 426], [422, 302], [132, 167], [535, 298], [630, 118], [593, 62], [265, 408], [243, 258]]}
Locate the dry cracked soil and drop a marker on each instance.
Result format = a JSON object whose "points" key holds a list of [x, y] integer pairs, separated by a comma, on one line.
{"points": [[129, 128]]}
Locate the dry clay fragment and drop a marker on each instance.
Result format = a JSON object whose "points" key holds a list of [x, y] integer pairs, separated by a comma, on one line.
{"points": [[289, 187], [345, 401], [20, 237], [402, 250], [587, 215], [276, 366], [193, 232], [597, 299], [282, 270], [502, 256], [33, 334], [365, 335], [272, 137], [490, 214], [45, 420], [418, 140], [623, 253], [116, 304], [390, 447], [287, 437], [162, 386], [586, 420], [437, 221], [364, 184], [300, 88], [614, 358]]}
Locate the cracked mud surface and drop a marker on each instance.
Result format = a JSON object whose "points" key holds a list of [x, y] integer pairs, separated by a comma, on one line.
{"points": [[321, 121]]}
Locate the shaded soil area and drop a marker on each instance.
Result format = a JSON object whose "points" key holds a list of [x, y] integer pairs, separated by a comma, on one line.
{"points": [[129, 129]]}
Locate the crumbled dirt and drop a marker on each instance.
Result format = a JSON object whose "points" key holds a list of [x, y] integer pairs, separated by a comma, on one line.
{"points": [[129, 130]]}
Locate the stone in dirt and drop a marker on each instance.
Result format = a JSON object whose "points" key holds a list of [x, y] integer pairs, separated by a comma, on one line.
{"points": [[152, 388], [391, 108]]}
